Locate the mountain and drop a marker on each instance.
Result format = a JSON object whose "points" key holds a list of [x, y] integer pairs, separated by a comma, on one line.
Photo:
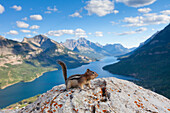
{"points": [[108, 95], [149, 39], [85, 47], [150, 63], [40, 41], [94, 50], [115, 49], [26, 60]]}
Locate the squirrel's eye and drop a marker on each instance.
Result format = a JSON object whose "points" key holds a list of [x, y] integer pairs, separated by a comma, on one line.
{"points": [[93, 72]]}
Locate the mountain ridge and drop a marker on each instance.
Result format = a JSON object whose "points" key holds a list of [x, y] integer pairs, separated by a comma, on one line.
{"points": [[95, 50], [23, 61], [149, 63]]}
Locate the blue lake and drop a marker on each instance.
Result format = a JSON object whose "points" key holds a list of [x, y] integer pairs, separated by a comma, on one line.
{"points": [[23, 90]]}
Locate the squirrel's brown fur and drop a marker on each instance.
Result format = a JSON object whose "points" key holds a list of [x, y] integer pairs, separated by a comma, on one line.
{"points": [[78, 80]]}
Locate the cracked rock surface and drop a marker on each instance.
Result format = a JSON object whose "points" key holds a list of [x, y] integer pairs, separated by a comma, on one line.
{"points": [[108, 95]]}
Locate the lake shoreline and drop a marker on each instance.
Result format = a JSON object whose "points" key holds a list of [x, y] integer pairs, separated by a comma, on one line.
{"points": [[38, 75], [24, 90]]}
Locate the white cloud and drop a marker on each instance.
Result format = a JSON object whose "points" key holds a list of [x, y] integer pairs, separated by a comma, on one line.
{"points": [[98, 34], [36, 17], [166, 12], [28, 35], [21, 24], [34, 32], [13, 32], [25, 31], [17, 8], [34, 27], [113, 23], [115, 11], [76, 14], [147, 19], [60, 32], [18, 39], [80, 33], [133, 32], [136, 3], [52, 9], [144, 10], [99, 7], [25, 18], [2, 9]]}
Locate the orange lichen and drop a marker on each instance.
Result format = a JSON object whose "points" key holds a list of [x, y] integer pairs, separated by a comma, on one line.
{"points": [[55, 104], [75, 110], [55, 97], [98, 105], [128, 94], [139, 100], [72, 91], [139, 104], [95, 95], [168, 109], [89, 102], [67, 95], [60, 105], [54, 110], [145, 99], [104, 110]]}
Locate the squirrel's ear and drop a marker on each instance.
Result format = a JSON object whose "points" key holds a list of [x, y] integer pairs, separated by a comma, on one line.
{"points": [[88, 70]]}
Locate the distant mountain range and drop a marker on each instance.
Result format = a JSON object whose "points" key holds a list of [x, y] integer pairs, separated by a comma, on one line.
{"points": [[26, 60], [95, 50], [150, 63]]}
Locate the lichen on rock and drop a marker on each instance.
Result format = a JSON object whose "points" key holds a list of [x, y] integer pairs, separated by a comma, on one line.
{"points": [[108, 95]]}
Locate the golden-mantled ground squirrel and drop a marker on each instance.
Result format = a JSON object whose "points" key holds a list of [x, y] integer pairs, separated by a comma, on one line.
{"points": [[78, 80]]}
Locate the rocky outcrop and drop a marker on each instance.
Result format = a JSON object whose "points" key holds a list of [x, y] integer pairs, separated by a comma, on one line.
{"points": [[108, 95], [2, 38]]}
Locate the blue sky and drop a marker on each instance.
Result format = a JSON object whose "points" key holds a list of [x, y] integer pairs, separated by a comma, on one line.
{"points": [[128, 22]]}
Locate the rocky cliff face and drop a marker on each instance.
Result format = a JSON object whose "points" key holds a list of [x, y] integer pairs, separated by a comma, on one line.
{"points": [[94, 50], [109, 95]]}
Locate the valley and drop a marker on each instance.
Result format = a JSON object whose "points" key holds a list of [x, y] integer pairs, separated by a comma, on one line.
{"points": [[150, 63]]}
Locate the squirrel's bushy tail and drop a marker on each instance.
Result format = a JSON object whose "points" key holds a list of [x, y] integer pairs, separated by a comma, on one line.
{"points": [[64, 69]]}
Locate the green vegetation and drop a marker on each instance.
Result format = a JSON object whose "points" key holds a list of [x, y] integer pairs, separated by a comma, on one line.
{"points": [[37, 55], [23, 103], [150, 64], [154, 74], [22, 72]]}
